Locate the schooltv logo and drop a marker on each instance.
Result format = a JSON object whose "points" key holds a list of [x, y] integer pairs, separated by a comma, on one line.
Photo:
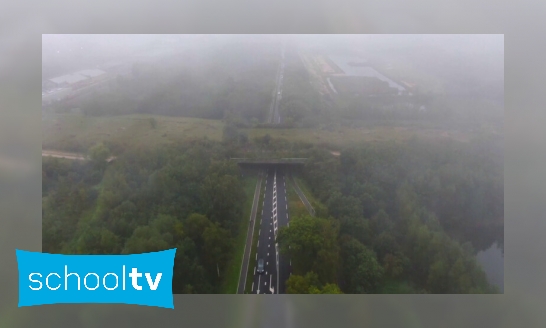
{"points": [[141, 279]]}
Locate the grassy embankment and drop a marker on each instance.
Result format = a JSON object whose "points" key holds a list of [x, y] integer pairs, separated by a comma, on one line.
{"points": [[296, 208], [231, 278], [252, 259], [303, 186]]}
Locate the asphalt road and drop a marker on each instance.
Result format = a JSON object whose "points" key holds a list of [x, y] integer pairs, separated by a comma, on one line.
{"points": [[278, 96], [267, 283], [275, 115], [283, 220]]}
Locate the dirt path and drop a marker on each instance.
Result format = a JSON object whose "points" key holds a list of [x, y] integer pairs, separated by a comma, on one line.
{"points": [[68, 155], [60, 154]]}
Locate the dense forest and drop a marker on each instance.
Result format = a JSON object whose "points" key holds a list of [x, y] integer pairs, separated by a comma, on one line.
{"points": [[186, 196], [393, 217], [400, 218]]}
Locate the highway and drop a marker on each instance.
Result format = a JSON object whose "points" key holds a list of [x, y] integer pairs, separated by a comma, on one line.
{"points": [[275, 116], [271, 281]]}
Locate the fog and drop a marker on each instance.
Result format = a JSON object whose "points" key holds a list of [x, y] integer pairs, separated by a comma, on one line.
{"points": [[456, 58], [395, 140]]}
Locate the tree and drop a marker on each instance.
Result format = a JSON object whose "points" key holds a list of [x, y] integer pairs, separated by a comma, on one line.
{"points": [[195, 226], [309, 284], [297, 284], [331, 289], [110, 243], [230, 133], [217, 247], [313, 246], [153, 122], [362, 273], [99, 153], [266, 139], [395, 265], [224, 196], [144, 240]]}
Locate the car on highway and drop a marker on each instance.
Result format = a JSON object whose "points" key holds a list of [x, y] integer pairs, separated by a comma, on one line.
{"points": [[260, 268]]}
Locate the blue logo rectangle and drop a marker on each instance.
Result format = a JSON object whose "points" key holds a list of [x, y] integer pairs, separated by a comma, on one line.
{"points": [[141, 279]]}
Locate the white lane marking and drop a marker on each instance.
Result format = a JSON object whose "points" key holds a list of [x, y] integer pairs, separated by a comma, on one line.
{"points": [[266, 263], [271, 289], [285, 198], [259, 232], [259, 277], [268, 245], [265, 283], [267, 254], [254, 270], [258, 243], [269, 237], [252, 287], [286, 206]]}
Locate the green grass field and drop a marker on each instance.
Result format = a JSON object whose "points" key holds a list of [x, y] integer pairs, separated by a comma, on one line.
{"points": [[346, 136], [76, 132], [231, 278]]}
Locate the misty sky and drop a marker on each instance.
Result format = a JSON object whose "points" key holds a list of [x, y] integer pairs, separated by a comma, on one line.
{"points": [[450, 57]]}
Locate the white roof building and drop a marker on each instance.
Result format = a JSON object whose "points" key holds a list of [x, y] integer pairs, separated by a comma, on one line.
{"points": [[77, 76], [68, 79], [91, 72]]}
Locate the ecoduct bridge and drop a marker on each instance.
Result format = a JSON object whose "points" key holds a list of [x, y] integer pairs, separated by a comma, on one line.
{"points": [[267, 163]]}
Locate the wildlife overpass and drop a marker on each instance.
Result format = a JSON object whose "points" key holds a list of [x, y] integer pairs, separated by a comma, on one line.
{"points": [[269, 163]]}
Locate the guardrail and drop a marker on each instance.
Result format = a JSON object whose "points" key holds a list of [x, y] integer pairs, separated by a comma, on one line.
{"points": [[304, 199]]}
